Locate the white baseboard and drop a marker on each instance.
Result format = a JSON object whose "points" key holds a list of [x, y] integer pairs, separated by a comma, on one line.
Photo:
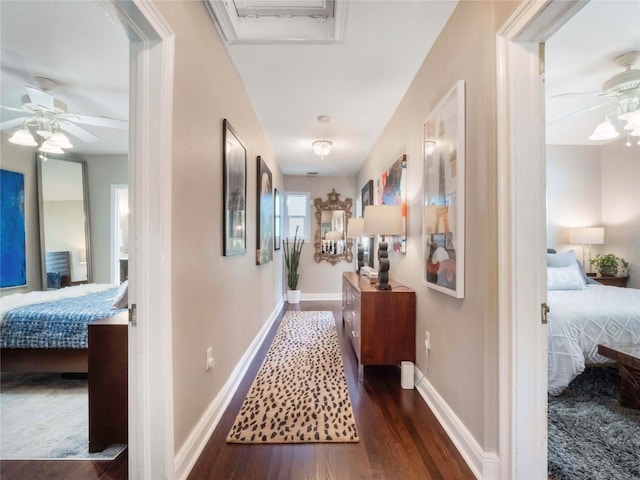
{"points": [[320, 296], [484, 465], [188, 454]]}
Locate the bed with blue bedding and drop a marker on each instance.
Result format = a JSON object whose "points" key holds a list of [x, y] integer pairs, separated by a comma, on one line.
{"points": [[47, 331]]}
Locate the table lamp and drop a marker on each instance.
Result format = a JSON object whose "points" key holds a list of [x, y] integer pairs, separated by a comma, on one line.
{"points": [[354, 230], [586, 236], [382, 220]]}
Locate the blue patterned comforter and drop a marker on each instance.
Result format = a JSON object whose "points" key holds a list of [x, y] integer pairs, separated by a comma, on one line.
{"points": [[58, 324]]}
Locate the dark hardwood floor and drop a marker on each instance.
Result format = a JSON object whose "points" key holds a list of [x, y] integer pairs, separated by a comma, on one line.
{"points": [[399, 437]]}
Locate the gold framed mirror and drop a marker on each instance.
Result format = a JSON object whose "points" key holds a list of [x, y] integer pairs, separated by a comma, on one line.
{"points": [[331, 242]]}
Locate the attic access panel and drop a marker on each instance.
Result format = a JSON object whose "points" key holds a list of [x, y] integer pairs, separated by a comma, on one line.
{"points": [[279, 21]]}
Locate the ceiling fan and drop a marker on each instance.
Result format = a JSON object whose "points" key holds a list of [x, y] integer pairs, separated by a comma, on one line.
{"points": [[622, 94], [48, 117]]}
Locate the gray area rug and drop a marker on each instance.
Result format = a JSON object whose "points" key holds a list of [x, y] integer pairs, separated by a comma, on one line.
{"points": [[44, 416], [300, 393], [591, 437]]}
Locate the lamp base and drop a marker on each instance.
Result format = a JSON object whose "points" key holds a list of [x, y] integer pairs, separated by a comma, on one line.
{"points": [[383, 267]]}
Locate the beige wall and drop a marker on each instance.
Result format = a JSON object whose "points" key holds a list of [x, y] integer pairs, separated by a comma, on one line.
{"points": [[17, 158], [463, 365], [621, 205], [317, 279], [102, 172], [219, 302]]}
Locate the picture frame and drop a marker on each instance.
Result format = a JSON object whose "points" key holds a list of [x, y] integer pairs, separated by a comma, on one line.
{"points": [[392, 190], [277, 219], [265, 209], [444, 194], [367, 199], [234, 191], [13, 244]]}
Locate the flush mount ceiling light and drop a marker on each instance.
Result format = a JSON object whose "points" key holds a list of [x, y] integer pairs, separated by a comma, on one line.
{"points": [[322, 147]]}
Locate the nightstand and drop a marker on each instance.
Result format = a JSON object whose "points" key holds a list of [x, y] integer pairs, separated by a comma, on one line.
{"points": [[613, 281]]}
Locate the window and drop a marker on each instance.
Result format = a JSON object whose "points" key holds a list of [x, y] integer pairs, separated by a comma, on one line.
{"points": [[296, 214]]}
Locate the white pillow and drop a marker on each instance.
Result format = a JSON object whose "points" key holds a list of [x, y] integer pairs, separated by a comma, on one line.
{"points": [[121, 299], [565, 278], [561, 259]]}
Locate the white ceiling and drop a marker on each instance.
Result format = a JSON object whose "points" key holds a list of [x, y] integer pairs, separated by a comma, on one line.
{"points": [[358, 83]]}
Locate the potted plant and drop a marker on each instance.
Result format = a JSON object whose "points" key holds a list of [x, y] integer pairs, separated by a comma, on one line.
{"points": [[292, 260], [607, 264]]}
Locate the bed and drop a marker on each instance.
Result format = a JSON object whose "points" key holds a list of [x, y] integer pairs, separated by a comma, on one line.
{"points": [[582, 314], [47, 331]]}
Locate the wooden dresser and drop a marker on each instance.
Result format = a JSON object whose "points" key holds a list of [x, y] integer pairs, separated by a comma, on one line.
{"points": [[380, 323], [108, 381]]}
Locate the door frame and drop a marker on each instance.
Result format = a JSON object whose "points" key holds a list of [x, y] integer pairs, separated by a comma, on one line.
{"points": [[151, 40], [522, 234]]}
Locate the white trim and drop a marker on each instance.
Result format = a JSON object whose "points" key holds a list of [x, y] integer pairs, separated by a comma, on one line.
{"points": [[522, 339], [484, 465], [192, 448], [150, 354], [315, 297]]}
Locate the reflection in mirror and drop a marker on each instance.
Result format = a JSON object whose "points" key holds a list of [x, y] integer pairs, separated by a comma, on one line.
{"points": [[64, 223], [331, 241]]}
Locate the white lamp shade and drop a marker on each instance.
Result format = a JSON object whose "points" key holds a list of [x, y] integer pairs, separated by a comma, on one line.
{"points": [[604, 131], [23, 137], [59, 139], [354, 227], [47, 148], [382, 220], [586, 236]]}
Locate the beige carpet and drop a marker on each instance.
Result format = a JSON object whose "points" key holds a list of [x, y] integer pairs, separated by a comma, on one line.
{"points": [[300, 393]]}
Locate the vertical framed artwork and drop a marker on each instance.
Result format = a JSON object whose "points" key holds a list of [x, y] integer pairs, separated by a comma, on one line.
{"points": [[367, 199], [277, 218], [234, 191], [264, 229], [13, 245], [392, 190], [444, 194]]}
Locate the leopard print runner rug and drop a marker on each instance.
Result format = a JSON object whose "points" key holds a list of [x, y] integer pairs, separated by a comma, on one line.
{"points": [[300, 393]]}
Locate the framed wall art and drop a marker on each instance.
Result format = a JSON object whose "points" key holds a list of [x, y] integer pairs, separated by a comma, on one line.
{"points": [[392, 190], [367, 199], [444, 194], [13, 245], [277, 219], [264, 229], [234, 192]]}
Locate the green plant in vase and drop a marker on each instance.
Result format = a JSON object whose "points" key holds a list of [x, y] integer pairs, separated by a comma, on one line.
{"points": [[607, 264], [292, 252]]}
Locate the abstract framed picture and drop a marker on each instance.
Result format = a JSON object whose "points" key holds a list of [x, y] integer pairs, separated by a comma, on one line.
{"points": [[277, 219], [264, 229], [13, 245], [234, 191], [392, 190], [444, 194], [367, 199]]}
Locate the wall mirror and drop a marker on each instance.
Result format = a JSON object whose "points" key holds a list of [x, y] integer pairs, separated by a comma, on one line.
{"points": [[331, 242], [64, 223]]}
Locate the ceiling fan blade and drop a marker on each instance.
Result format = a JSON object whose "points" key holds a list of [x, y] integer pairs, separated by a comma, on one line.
{"points": [[12, 123], [78, 132], [97, 121], [576, 94], [13, 109], [584, 110], [40, 98]]}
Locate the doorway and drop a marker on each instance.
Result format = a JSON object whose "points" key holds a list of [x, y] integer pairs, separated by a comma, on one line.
{"points": [[119, 258]]}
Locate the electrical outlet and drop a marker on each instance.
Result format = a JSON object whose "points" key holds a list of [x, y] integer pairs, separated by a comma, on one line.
{"points": [[210, 360], [427, 341]]}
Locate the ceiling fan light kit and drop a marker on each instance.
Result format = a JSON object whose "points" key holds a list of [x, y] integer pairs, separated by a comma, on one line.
{"points": [[604, 131]]}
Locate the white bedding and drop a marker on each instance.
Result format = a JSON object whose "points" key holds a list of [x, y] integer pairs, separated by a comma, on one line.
{"points": [[581, 319], [9, 302]]}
